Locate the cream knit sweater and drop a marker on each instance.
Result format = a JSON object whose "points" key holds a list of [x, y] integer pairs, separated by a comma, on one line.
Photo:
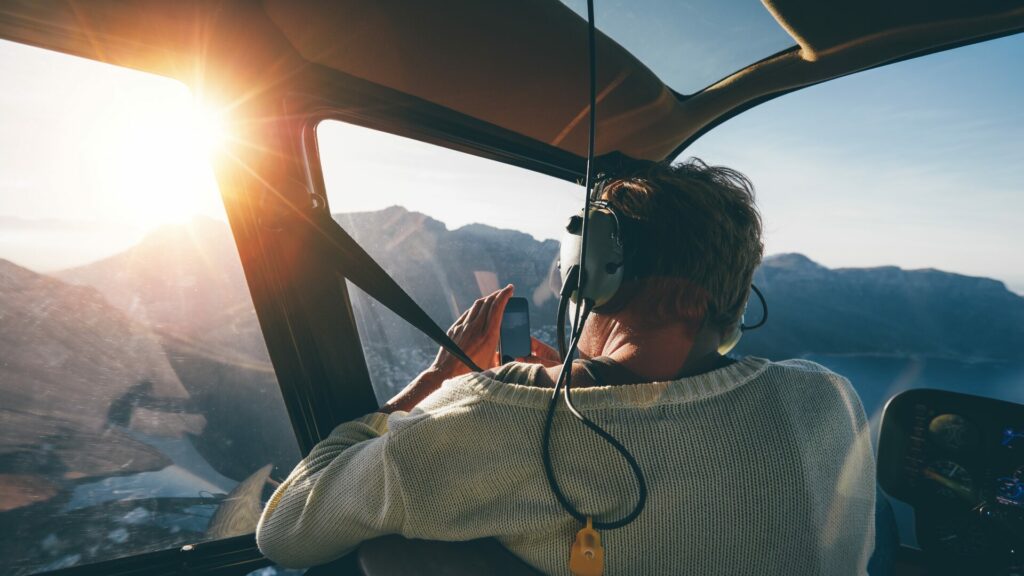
{"points": [[756, 468]]}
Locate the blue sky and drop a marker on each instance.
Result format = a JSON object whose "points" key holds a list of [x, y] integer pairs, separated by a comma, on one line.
{"points": [[918, 164], [691, 44]]}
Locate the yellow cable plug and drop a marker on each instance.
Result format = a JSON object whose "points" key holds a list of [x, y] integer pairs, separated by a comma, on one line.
{"points": [[587, 556]]}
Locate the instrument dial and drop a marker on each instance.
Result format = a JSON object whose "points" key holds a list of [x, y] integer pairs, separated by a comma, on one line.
{"points": [[950, 480], [953, 432]]}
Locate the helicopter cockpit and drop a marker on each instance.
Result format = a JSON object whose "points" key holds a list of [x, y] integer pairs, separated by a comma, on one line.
{"points": [[228, 227]]}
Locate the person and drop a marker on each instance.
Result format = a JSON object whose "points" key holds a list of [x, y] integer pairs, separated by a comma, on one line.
{"points": [[752, 466]]}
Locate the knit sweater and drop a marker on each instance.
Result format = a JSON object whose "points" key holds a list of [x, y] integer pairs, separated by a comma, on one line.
{"points": [[756, 468]]}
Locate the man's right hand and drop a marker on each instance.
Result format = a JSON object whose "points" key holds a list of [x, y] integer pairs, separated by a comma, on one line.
{"points": [[541, 353]]}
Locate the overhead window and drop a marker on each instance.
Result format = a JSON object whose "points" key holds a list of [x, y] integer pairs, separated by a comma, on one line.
{"points": [[690, 45], [449, 227], [138, 407]]}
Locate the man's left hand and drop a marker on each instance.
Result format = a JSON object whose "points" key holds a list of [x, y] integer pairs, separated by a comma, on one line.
{"points": [[477, 332]]}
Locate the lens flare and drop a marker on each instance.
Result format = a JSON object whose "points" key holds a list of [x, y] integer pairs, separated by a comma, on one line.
{"points": [[158, 154]]}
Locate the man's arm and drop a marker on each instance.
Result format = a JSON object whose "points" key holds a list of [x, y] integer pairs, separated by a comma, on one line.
{"points": [[346, 491]]}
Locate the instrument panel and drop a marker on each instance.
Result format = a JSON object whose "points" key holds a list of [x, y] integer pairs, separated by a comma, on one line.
{"points": [[958, 461]]}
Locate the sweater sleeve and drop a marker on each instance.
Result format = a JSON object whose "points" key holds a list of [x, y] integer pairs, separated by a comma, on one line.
{"points": [[346, 491]]}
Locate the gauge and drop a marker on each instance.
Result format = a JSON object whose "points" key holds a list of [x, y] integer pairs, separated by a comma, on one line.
{"points": [[953, 432], [1011, 437], [951, 480], [1010, 489]]}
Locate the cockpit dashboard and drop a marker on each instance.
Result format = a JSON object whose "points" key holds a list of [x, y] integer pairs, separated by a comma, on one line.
{"points": [[958, 461]]}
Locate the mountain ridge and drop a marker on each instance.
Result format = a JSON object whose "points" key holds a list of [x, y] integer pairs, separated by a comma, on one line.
{"points": [[446, 269]]}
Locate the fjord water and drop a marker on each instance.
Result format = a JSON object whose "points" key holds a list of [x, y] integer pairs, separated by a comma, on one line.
{"points": [[879, 378]]}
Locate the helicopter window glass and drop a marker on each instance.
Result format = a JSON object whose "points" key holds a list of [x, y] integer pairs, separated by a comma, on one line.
{"points": [[449, 227], [689, 45], [892, 204], [139, 408]]}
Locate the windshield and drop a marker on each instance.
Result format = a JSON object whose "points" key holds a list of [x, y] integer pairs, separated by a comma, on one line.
{"points": [[892, 204]]}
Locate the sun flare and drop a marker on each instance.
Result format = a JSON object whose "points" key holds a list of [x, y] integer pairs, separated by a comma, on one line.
{"points": [[160, 152]]}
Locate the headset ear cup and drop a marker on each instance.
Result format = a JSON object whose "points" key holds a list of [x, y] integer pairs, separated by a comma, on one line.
{"points": [[731, 340], [604, 268]]}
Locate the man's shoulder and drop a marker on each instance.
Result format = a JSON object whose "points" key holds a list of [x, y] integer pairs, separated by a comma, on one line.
{"points": [[803, 365], [799, 375], [805, 370], [804, 383]]}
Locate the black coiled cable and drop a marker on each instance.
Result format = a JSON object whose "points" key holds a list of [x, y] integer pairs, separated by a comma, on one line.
{"points": [[564, 384], [576, 279]]}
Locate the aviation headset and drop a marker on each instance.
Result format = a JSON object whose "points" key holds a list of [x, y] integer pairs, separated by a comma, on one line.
{"points": [[606, 264]]}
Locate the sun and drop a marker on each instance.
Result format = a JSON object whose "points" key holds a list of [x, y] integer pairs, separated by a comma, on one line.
{"points": [[158, 154]]}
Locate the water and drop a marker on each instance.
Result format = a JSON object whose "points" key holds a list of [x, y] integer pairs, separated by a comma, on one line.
{"points": [[190, 476], [879, 378]]}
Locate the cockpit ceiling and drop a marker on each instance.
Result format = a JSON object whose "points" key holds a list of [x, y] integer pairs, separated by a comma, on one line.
{"points": [[823, 27], [520, 66]]}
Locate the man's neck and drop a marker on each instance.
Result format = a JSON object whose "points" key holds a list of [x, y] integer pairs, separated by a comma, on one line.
{"points": [[649, 355]]}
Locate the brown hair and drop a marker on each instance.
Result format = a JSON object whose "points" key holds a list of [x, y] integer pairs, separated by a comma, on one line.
{"points": [[693, 240]]}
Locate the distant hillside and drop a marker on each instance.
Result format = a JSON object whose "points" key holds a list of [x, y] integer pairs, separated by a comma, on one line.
{"points": [[66, 359], [444, 271], [884, 311], [187, 282]]}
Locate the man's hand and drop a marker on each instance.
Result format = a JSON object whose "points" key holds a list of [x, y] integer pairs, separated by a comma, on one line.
{"points": [[541, 353], [477, 332]]}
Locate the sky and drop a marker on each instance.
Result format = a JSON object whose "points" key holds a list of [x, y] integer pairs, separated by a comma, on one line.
{"points": [[92, 156], [740, 32], [917, 164]]}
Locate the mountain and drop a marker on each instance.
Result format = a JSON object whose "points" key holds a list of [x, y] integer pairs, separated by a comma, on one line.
{"points": [[883, 311], [184, 280], [444, 271], [187, 282], [103, 352], [67, 358]]}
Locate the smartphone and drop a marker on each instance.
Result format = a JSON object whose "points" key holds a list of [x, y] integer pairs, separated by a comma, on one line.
{"points": [[515, 330]]}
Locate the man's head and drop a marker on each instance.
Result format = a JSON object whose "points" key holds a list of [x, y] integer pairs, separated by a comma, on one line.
{"points": [[693, 241]]}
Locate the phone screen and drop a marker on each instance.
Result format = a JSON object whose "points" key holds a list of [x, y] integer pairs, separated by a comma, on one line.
{"points": [[515, 329]]}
